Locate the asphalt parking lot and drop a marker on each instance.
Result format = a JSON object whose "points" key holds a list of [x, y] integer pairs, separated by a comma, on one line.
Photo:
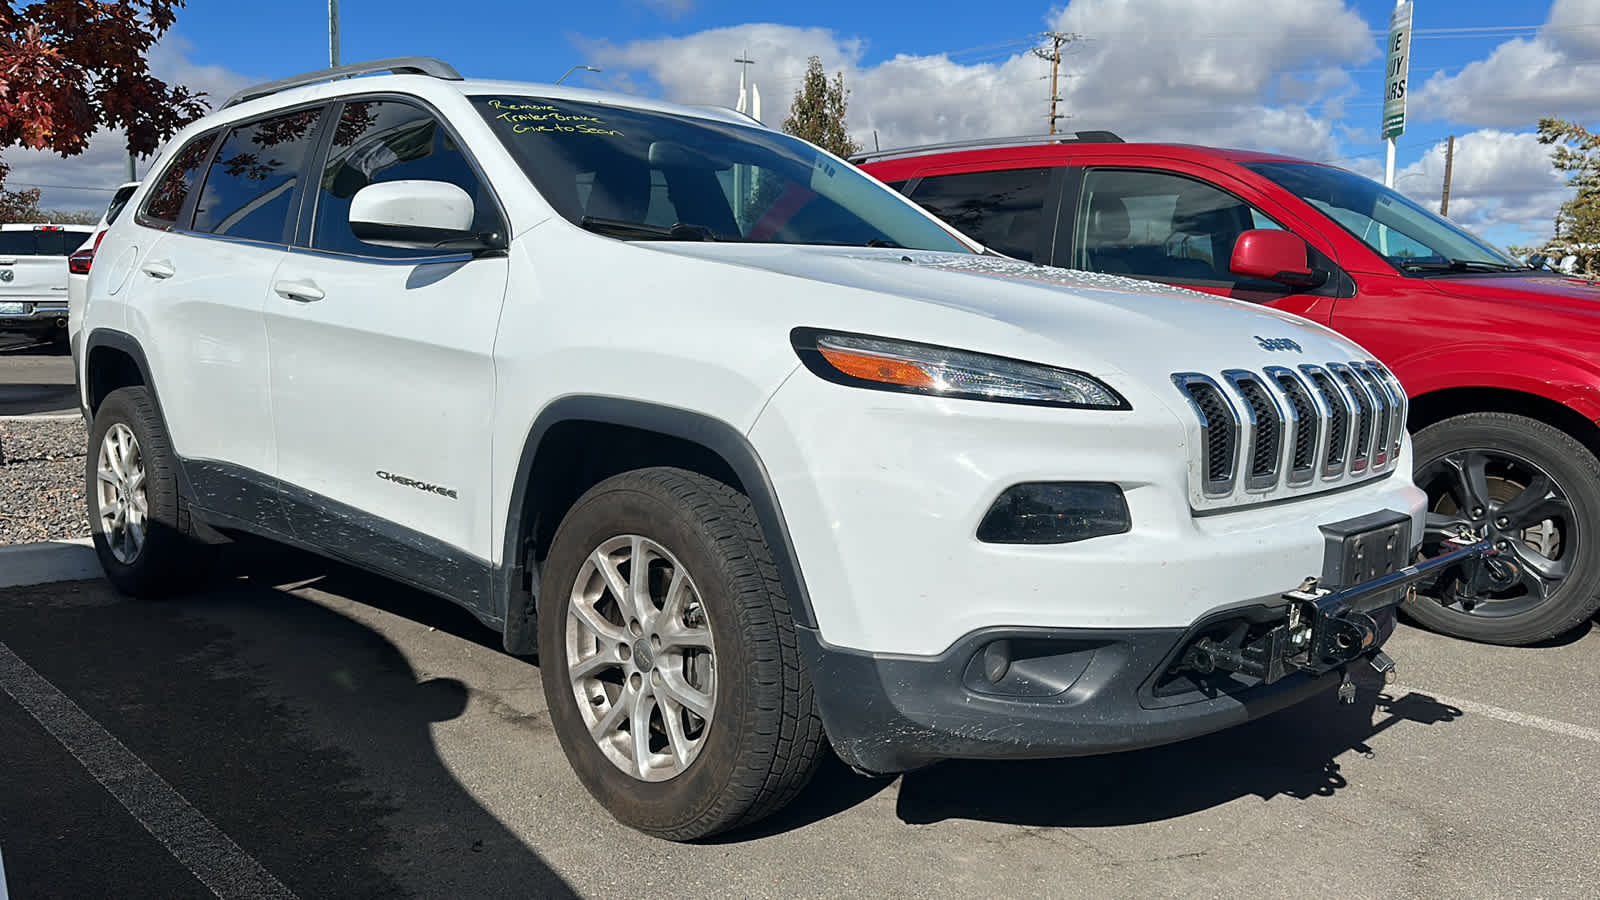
{"points": [[301, 728], [34, 378]]}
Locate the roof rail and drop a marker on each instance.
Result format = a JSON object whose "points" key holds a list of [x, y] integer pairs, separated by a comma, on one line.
{"points": [[398, 65], [1077, 137], [728, 109]]}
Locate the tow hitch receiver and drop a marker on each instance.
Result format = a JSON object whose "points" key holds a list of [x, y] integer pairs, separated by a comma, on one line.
{"points": [[1324, 629]]}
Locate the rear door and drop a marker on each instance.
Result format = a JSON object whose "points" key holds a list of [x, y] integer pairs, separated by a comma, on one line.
{"points": [[383, 381], [1012, 210], [225, 210], [33, 266]]}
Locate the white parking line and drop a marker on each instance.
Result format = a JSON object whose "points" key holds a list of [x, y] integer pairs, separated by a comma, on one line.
{"points": [[188, 835], [1526, 720]]}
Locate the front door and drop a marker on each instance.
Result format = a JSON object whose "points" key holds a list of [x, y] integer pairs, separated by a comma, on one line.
{"points": [[1177, 229], [383, 382]]}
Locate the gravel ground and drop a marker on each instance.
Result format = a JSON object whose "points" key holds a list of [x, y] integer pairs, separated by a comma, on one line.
{"points": [[41, 480]]}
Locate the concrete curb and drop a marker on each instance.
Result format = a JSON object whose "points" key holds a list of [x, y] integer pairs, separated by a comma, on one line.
{"points": [[46, 562]]}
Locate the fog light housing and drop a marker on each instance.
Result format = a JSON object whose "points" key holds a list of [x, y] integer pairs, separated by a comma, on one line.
{"points": [[1055, 512]]}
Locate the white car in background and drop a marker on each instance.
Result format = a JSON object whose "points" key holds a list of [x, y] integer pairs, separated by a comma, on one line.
{"points": [[33, 278], [79, 262]]}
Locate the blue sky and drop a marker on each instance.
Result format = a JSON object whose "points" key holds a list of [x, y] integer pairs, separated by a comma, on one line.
{"points": [[1302, 77]]}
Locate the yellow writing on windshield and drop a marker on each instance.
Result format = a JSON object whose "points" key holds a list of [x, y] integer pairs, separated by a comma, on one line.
{"points": [[537, 118]]}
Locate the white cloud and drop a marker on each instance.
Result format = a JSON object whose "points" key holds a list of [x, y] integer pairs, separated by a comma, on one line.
{"points": [[1233, 72], [1499, 179], [1553, 73], [85, 182]]}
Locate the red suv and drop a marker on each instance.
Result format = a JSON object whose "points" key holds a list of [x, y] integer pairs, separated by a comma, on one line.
{"points": [[1502, 361]]}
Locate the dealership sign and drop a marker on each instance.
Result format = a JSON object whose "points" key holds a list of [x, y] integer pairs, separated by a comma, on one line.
{"points": [[1394, 86]]}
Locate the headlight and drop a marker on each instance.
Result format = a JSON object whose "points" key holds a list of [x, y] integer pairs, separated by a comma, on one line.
{"points": [[889, 365]]}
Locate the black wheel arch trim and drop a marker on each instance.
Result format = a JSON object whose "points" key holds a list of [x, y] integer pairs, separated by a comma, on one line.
{"points": [[129, 345], [516, 586]]}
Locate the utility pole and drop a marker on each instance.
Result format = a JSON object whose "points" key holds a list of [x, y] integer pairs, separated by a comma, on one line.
{"points": [[1053, 56], [1449, 162], [333, 33]]}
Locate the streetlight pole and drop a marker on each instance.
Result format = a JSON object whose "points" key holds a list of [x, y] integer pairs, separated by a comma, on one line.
{"points": [[333, 33], [574, 69]]}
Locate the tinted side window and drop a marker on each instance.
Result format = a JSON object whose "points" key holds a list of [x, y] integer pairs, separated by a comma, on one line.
{"points": [[1003, 209], [173, 185], [1159, 225], [249, 190], [118, 201], [388, 140]]}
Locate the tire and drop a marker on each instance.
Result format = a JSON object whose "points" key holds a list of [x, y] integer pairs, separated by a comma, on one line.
{"points": [[1526, 465], [168, 557], [763, 739]]}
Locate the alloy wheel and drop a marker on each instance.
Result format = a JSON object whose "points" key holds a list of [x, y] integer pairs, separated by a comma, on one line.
{"points": [[1506, 498], [640, 657], [124, 507]]}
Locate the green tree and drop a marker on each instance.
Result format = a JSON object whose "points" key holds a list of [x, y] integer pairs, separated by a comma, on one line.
{"points": [[818, 111], [1577, 225]]}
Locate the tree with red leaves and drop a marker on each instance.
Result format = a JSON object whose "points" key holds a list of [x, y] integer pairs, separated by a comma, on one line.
{"points": [[71, 67]]}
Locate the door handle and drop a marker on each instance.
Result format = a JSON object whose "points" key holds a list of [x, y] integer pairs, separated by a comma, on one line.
{"points": [[159, 268], [305, 292]]}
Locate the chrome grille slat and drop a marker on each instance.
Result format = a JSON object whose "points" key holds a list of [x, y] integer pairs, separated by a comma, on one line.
{"points": [[1336, 407], [1304, 425], [1263, 442], [1383, 412], [1219, 429], [1361, 402], [1282, 428]]}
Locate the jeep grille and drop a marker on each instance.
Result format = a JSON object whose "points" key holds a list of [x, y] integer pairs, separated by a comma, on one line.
{"points": [[1309, 429]]}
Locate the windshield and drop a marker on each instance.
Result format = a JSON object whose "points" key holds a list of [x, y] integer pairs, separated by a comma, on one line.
{"points": [[640, 175], [1410, 237]]}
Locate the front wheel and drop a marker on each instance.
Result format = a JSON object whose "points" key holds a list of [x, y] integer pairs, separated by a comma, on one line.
{"points": [[669, 660], [1535, 491]]}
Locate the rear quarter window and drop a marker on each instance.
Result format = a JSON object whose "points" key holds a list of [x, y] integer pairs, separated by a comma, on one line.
{"points": [[176, 181]]}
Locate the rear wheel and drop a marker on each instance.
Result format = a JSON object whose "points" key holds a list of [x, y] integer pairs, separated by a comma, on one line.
{"points": [[669, 660], [1535, 491], [139, 521]]}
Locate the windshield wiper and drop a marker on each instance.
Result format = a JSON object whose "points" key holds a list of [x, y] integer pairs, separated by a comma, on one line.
{"points": [[1453, 265], [621, 228]]}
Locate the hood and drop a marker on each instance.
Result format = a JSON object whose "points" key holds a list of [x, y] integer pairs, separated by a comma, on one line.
{"points": [[1545, 288], [1080, 307]]}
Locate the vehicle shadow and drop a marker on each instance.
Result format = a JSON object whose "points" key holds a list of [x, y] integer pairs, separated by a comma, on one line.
{"points": [[833, 789], [1293, 753], [301, 733]]}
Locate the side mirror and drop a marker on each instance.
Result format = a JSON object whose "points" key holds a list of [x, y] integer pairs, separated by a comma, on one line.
{"points": [[1274, 255], [419, 215], [1536, 260]]}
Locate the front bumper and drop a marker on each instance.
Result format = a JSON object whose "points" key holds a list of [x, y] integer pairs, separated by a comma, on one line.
{"points": [[1017, 693]]}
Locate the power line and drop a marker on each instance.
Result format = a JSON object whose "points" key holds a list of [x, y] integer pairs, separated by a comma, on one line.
{"points": [[58, 187]]}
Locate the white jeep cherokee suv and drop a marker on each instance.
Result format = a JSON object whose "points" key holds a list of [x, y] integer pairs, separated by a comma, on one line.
{"points": [[752, 451]]}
